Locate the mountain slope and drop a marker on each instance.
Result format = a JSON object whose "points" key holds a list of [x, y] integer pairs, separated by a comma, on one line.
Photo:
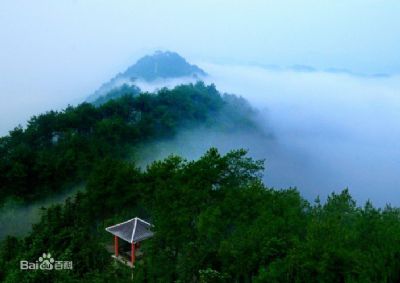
{"points": [[58, 149], [160, 65]]}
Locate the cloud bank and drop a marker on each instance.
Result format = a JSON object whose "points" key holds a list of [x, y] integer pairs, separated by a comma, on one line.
{"points": [[331, 131]]}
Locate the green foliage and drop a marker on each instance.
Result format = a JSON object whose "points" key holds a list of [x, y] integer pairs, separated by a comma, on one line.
{"points": [[214, 220], [211, 276], [58, 149], [161, 65], [115, 93]]}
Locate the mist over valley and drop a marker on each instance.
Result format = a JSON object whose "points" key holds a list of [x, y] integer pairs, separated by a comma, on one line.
{"points": [[201, 141]]}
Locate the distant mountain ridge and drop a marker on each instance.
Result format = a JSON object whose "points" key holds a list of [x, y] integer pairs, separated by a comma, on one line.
{"points": [[160, 65]]}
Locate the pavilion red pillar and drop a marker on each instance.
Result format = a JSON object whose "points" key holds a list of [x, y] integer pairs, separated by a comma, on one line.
{"points": [[133, 257], [116, 245]]}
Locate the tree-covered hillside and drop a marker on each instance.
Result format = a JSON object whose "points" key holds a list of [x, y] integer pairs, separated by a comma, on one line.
{"points": [[214, 219], [59, 149], [160, 65], [116, 93]]}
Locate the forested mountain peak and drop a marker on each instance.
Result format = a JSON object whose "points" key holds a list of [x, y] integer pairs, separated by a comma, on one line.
{"points": [[162, 64], [159, 65]]}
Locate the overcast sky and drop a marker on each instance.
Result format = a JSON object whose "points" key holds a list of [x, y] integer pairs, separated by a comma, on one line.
{"points": [[333, 130], [55, 52]]}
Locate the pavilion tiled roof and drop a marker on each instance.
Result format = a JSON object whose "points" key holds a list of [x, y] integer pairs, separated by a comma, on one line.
{"points": [[132, 231]]}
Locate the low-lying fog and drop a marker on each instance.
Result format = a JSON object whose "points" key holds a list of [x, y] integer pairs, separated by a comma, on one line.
{"points": [[331, 131], [16, 218], [19, 101]]}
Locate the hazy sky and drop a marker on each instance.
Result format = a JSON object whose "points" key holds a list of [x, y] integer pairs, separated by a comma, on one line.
{"points": [[331, 131], [56, 52], [79, 36]]}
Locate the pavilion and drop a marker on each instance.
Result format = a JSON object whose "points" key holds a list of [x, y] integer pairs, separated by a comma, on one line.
{"points": [[132, 231]]}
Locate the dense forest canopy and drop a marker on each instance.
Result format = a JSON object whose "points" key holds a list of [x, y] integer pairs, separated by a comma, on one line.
{"points": [[158, 66], [58, 149], [162, 65], [115, 93], [214, 219], [214, 222]]}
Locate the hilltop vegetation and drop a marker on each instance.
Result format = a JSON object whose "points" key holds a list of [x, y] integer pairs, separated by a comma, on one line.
{"points": [[58, 149], [214, 219], [115, 93], [214, 222], [160, 65]]}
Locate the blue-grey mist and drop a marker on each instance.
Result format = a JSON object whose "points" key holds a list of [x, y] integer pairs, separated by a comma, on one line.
{"points": [[55, 52], [332, 129]]}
